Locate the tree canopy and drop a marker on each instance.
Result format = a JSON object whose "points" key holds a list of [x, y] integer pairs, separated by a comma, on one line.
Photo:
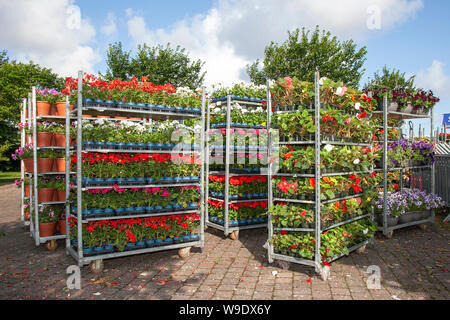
{"points": [[301, 54], [16, 80], [160, 64]]}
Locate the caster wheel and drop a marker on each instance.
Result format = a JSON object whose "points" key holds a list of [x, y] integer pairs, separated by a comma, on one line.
{"points": [[96, 266], [184, 252], [423, 226], [284, 264], [390, 234], [234, 235], [325, 273], [361, 250], [51, 245]]}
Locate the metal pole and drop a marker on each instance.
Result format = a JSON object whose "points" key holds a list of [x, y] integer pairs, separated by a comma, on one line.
{"points": [[317, 230], [270, 250], [207, 161], [35, 170], [79, 164], [22, 171], [202, 172], [385, 103], [67, 172], [432, 171], [227, 164]]}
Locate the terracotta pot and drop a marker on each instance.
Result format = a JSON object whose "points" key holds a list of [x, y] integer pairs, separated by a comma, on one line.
{"points": [[27, 215], [122, 118], [55, 195], [28, 164], [61, 109], [86, 116], [104, 117], [27, 136], [60, 164], [44, 164], [47, 229], [132, 118], [43, 108], [44, 139], [62, 226], [45, 195], [61, 195], [26, 189], [53, 111], [59, 139]]}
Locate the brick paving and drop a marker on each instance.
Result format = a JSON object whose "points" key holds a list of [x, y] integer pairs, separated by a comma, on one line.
{"points": [[413, 265]]}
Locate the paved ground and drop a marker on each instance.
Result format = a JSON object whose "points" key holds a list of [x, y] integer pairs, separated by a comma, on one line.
{"points": [[414, 265]]}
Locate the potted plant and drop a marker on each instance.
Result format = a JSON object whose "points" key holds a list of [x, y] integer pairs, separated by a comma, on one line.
{"points": [[44, 100], [47, 221], [26, 154], [45, 189]]}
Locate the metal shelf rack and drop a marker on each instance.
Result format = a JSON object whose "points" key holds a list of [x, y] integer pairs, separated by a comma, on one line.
{"points": [[96, 261], [318, 229], [385, 114], [227, 151], [29, 105]]}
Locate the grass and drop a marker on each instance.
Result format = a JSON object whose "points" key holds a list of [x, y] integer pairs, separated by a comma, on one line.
{"points": [[8, 177]]}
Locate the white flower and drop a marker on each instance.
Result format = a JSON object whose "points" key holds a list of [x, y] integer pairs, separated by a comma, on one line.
{"points": [[321, 80], [356, 161], [357, 106], [329, 147], [365, 231]]}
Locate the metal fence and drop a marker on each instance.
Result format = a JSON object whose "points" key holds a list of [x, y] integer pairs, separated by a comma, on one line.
{"points": [[442, 177]]}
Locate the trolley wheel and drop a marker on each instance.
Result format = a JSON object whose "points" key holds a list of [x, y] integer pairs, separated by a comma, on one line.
{"points": [[97, 266], [361, 250], [51, 245], [390, 234], [184, 252], [234, 235], [284, 264], [423, 226], [325, 272]]}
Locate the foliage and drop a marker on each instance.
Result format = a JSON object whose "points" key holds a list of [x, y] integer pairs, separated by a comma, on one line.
{"points": [[301, 55]]}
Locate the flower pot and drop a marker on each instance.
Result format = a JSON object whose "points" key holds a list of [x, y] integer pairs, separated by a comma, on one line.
{"points": [[59, 139], [410, 217], [43, 108], [392, 106], [27, 215], [26, 190], [61, 195], [391, 221], [44, 139], [408, 109], [60, 164], [425, 215], [61, 109], [47, 229], [62, 226], [45, 195], [44, 164], [28, 164], [53, 111]]}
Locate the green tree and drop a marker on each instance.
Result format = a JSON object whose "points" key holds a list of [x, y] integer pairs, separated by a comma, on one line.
{"points": [[118, 62], [390, 79], [16, 80], [301, 55], [160, 64]]}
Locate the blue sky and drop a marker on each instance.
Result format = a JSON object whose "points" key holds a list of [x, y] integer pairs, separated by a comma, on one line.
{"points": [[228, 34]]}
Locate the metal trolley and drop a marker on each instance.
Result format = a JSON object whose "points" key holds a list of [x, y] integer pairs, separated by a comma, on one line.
{"points": [[96, 261], [285, 260], [227, 152], [419, 171], [31, 116]]}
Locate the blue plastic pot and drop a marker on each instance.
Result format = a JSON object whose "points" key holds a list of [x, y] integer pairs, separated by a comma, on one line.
{"points": [[168, 241], [150, 243], [194, 237], [98, 249], [158, 242], [120, 211], [87, 250]]}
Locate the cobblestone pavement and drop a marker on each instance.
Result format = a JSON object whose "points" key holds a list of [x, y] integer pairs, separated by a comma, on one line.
{"points": [[413, 264]]}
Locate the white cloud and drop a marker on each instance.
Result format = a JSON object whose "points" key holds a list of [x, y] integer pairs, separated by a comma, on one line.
{"points": [[434, 78], [109, 26], [235, 32], [51, 33]]}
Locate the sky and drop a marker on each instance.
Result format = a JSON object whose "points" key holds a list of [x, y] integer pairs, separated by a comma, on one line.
{"points": [[71, 35]]}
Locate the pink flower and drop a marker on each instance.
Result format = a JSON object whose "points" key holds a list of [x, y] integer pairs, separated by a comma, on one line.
{"points": [[341, 91], [348, 120]]}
